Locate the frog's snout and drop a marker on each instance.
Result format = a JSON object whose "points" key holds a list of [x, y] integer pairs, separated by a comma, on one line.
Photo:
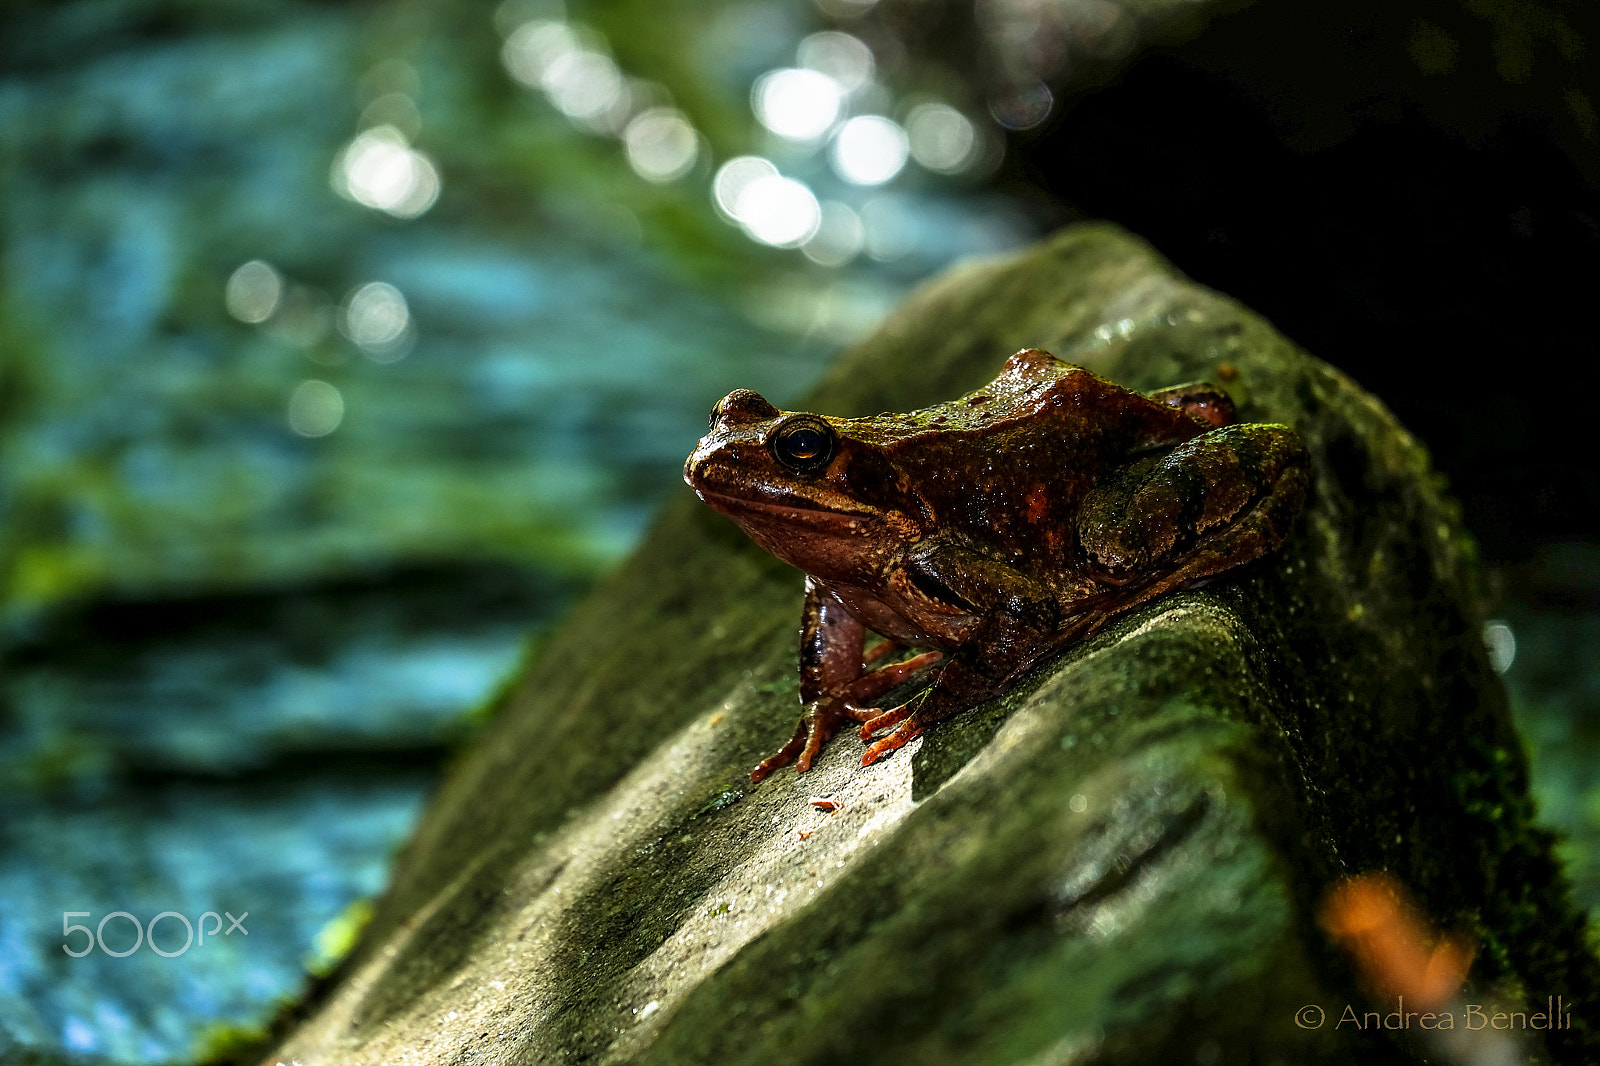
{"points": [[694, 467]]}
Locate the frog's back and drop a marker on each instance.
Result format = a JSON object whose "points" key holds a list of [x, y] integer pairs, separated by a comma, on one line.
{"points": [[1006, 467]]}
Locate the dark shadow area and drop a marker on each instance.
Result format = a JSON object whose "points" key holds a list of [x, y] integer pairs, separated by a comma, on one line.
{"points": [[1434, 241]]}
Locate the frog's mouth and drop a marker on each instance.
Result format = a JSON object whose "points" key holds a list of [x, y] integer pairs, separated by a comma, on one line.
{"points": [[790, 508]]}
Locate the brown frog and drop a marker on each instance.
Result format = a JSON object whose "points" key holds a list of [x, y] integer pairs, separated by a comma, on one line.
{"points": [[992, 529]]}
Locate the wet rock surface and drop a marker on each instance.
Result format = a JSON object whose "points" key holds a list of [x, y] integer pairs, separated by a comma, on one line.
{"points": [[1118, 861]]}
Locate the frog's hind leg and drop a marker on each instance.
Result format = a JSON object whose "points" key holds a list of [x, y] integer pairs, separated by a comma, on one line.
{"points": [[1214, 502], [1199, 400]]}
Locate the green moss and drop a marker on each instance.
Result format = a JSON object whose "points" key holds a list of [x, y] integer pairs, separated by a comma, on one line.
{"points": [[336, 939], [223, 1044]]}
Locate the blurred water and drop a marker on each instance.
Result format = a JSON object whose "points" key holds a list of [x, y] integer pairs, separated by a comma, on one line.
{"points": [[153, 448], [234, 849]]}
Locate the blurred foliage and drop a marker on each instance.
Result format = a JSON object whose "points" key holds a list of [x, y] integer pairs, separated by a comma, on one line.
{"points": [[571, 318], [177, 471]]}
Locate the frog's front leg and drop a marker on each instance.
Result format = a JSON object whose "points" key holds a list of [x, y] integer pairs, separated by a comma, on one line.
{"points": [[833, 684]]}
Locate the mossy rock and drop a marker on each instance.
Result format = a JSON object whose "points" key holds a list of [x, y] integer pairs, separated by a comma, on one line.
{"points": [[1119, 861]]}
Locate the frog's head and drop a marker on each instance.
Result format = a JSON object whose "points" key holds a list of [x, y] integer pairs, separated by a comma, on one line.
{"points": [[804, 487]]}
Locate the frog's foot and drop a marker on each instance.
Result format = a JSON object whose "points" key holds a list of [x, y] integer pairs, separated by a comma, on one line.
{"points": [[881, 650], [783, 756], [818, 722], [822, 717], [956, 689]]}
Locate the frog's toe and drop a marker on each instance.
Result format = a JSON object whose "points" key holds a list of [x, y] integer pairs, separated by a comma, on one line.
{"points": [[856, 712], [907, 732], [818, 724], [882, 720], [819, 735], [784, 755]]}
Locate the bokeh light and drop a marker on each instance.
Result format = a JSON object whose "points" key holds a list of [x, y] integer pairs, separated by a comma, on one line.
{"points": [[845, 9], [1502, 645], [1024, 106], [941, 138], [380, 170], [869, 150], [303, 317], [797, 103], [533, 46], [315, 408], [376, 318], [586, 86], [839, 237], [769, 207], [845, 59], [569, 64], [393, 109], [513, 13], [389, 75], [733, 177], [661, 144], [254, 291], [778, 211]]}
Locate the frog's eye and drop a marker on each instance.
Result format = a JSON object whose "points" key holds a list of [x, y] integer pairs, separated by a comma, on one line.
{"points": [[804, 444]]}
